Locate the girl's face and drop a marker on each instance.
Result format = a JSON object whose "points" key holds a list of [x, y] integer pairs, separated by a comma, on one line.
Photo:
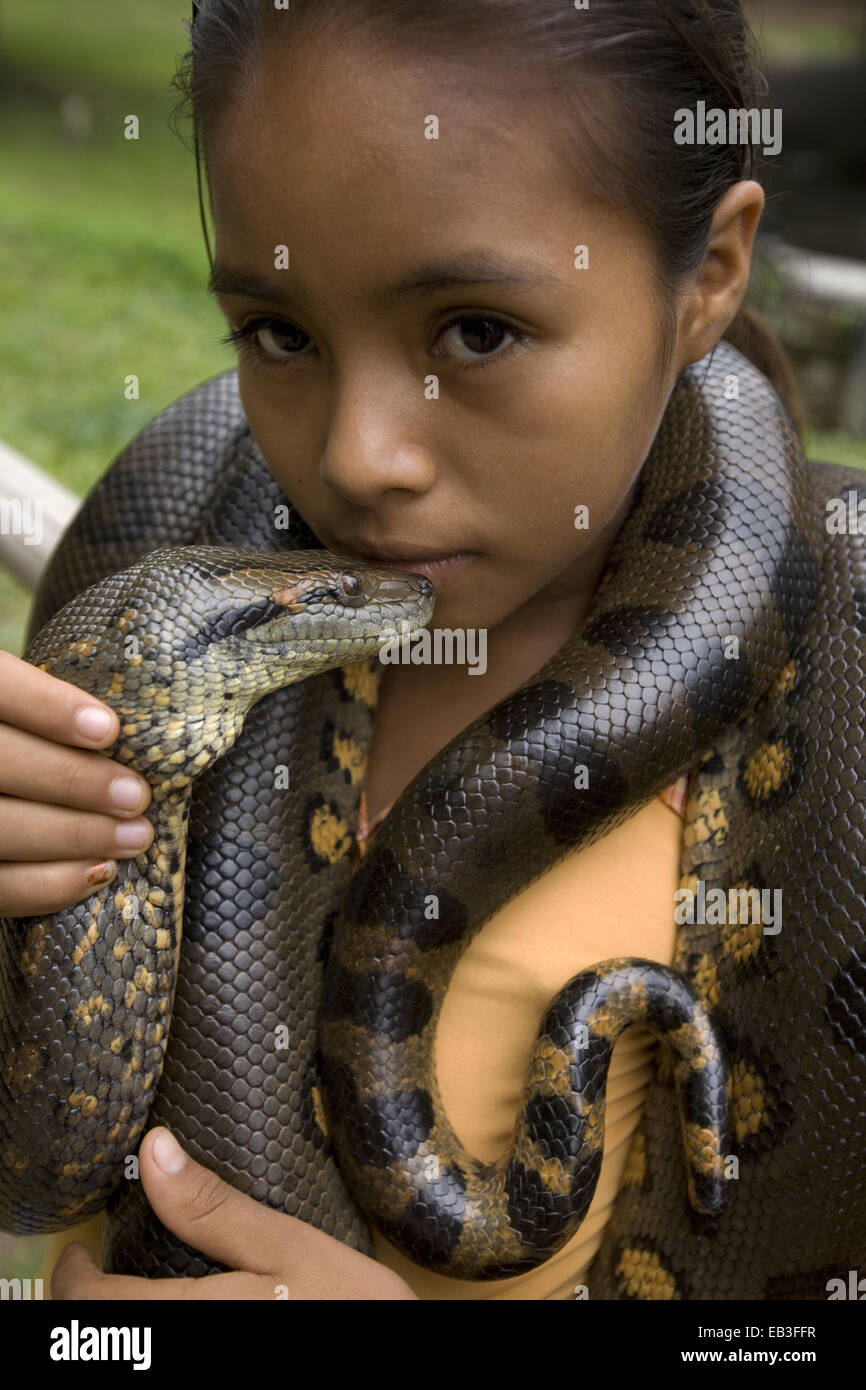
{"points": [[432, 376]]}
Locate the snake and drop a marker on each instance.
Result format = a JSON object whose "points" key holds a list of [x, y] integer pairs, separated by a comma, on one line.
{"points": [[275, 1003]]}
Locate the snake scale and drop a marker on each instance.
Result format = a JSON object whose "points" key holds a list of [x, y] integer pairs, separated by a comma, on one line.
{"points": [[727, 636]]}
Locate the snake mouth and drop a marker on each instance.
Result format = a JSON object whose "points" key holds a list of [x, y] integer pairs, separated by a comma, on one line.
{"points": [[356, 634]]}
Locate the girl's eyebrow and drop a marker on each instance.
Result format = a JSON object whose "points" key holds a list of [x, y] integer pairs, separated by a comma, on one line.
{"points": [[477, 268]]}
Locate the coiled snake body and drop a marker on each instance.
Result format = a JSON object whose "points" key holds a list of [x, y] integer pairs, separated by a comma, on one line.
{"points": [[728, 632]]}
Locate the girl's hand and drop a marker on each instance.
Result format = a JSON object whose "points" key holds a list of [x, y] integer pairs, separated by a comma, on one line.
{"points": [[66, 813], [272, 1256]]}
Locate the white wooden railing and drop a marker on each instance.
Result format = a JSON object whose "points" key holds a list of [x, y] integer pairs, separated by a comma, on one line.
{"points": [[34, 512]]}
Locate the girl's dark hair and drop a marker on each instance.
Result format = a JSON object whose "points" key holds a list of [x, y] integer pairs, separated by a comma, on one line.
{"points": [[619, 68]]}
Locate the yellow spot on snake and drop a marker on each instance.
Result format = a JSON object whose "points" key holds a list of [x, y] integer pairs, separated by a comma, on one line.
{"points": [[634, 1173], [702, 1151], [80, 1100], [163, 939], [748, 1103], [329, 835], [742, 939], [120, 947], [72, 1208], [351, 757], [32, 951], [554, 1175], [14, 1159], [787, 680], [548, 1068], [710, 824], [767, 770], [361, 681], [644, 1275], [611, 1016], [593, 1134], [144, 979], [86, 1009], [693, 1042], [319, 1111], [89, 939], [706, 981]]}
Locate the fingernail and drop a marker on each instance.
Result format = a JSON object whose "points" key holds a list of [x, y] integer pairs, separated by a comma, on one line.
{"points": [[131, 834], [168, 1153], [102, 873], [93, 722], [125, 793]]}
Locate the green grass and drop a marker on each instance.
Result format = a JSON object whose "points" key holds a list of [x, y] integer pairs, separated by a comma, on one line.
{"points": [[102, 262]]}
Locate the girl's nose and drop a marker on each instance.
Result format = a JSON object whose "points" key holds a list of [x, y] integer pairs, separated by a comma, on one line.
{"points": [[377, 443]]}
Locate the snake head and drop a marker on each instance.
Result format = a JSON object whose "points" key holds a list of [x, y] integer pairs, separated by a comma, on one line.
{"points": [[183, 643]]}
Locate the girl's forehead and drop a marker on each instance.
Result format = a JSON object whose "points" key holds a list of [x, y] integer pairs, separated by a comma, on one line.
{"points": [[461, 159], [366, 105], [370, 170]]}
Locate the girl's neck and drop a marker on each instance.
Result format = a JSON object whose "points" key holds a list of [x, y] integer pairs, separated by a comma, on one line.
{"points": [[422, 708]]}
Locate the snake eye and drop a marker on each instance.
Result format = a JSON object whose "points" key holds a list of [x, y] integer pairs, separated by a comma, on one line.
{"points": [[352, 585]]}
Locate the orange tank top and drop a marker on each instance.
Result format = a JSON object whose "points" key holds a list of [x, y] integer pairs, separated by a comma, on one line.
{"points": [[614, 898]]}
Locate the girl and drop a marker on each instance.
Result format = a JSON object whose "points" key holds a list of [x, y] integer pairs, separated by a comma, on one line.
{"points": [[465, 262]]}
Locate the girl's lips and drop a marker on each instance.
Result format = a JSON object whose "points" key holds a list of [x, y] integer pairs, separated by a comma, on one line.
{"points": [[437, 571], [437, 568]]}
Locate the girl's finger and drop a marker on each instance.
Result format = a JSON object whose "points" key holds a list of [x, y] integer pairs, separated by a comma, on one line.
{"points": [[32, 831], [33, 699], [36, 890], [38, 770]]}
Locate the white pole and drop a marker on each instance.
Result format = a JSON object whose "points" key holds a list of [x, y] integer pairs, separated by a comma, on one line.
{"points": [[34, 512]]}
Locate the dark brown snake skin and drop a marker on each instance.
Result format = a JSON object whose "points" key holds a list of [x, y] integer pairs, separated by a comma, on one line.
{"points": [[726, 539]]}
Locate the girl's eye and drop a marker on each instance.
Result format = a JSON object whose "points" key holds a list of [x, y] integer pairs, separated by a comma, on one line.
{"points": [[469, 339], [270, 340]]}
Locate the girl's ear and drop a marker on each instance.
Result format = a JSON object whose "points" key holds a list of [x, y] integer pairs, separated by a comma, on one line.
{"points": [[720, 283]]}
